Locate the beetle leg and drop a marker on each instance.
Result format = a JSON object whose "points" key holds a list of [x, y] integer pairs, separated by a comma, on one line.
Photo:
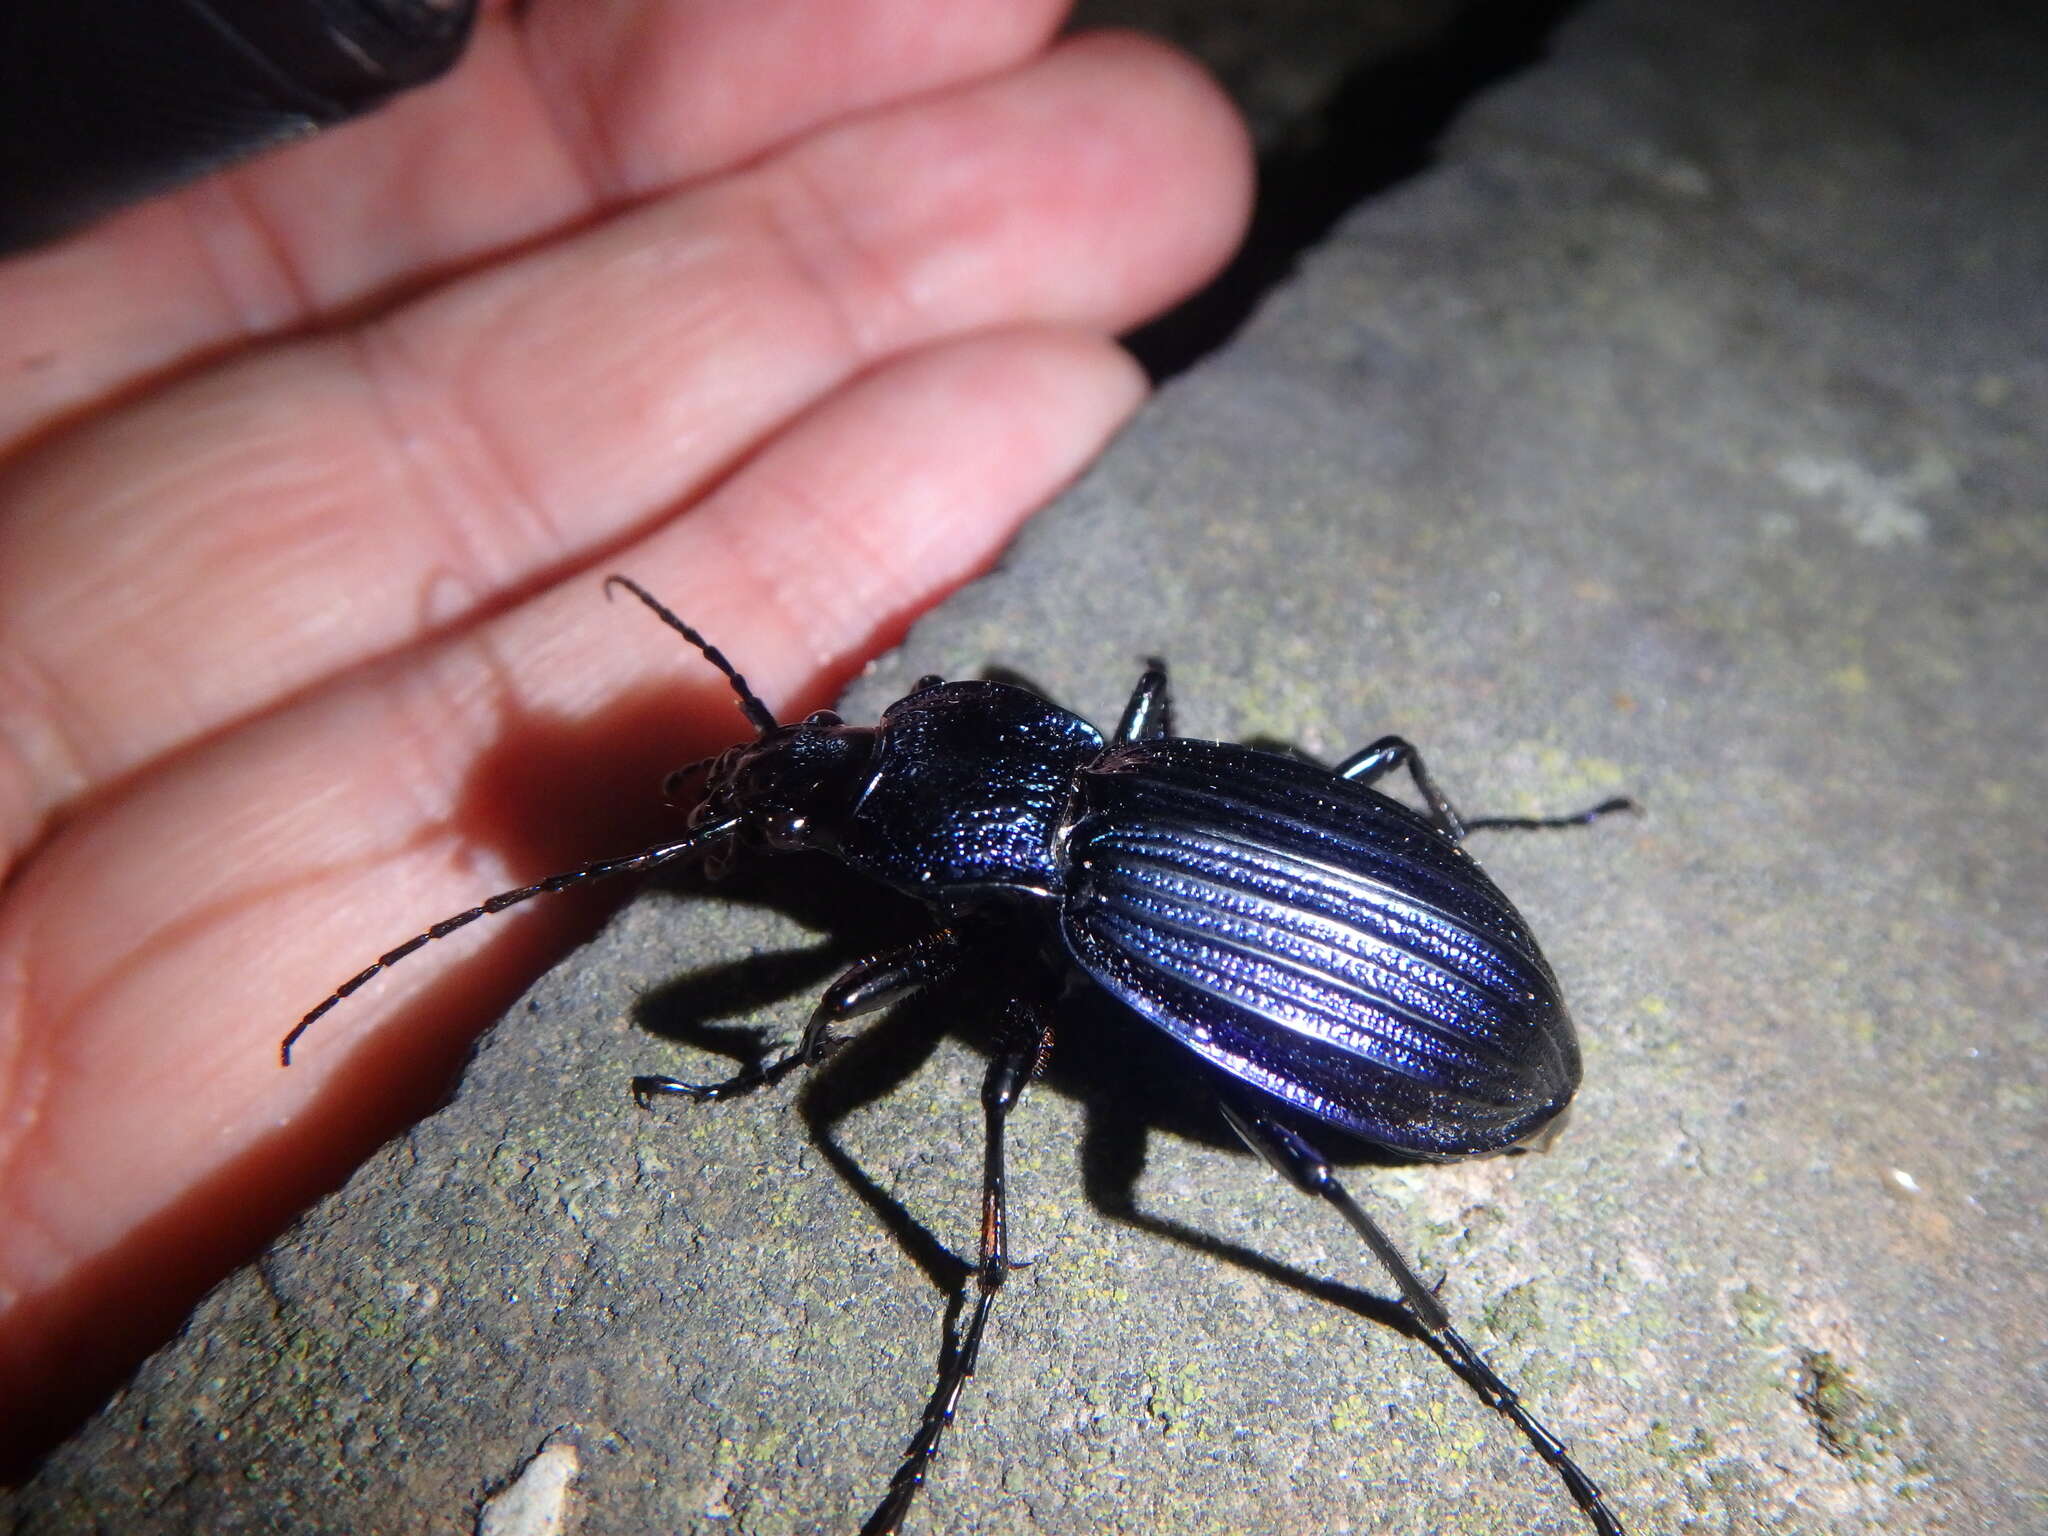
{"points": [[1015, 1063], [1150, 713], [1537, 823], [1295, 1160], [1391, 752], [868, 987]]}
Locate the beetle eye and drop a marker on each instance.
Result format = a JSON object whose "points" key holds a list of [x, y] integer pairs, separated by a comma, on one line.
{"points": [[822, 717], [786, 829]]}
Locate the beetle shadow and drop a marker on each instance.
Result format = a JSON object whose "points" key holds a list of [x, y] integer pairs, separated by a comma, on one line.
{"points": [[1131, 1081], [852, 917], [856, 919], [871, 1066]]}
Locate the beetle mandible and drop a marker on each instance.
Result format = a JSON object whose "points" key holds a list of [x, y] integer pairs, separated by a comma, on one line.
{"points": [[1331, 955]]}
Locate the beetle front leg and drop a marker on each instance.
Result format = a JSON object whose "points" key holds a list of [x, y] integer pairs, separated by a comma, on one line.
{"points": [[1391, 752], [868, 987], [1149, 715], [1027, 1042], [1294, 1159]]}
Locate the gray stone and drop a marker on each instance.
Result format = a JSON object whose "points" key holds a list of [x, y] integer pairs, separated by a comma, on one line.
{"points": [[1681, 432]]}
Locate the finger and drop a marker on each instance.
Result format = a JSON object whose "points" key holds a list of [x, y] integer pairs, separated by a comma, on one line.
{"points": [[159, 945], [205, 553], [554, 115]]}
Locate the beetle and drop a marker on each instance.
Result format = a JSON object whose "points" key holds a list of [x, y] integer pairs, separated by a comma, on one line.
{"points": [[1328, 954]]}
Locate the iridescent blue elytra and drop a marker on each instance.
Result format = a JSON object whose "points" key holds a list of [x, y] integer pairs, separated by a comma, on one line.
{"points": [[1302, 932], [1333, 957], [1319, 941]]}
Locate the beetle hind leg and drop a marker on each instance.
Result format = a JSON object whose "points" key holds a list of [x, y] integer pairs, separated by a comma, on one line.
{"points": [[1375, 762], [868, 987], [1390, 752], [1294, 1159]]}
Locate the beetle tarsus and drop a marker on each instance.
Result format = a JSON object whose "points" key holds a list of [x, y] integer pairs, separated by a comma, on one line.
{"points": [[1497, 1394], [1619, 804], [756, 1076]]}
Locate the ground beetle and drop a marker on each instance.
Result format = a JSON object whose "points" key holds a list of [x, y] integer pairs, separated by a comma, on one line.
{"points": [[1332, 955]]}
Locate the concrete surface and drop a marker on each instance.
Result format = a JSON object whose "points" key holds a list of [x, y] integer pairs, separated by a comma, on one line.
{"points": [[1680, 431]]}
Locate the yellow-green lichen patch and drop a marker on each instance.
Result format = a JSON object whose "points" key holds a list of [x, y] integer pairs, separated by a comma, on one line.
{"points": [[1676, 1447], [1757, 1317], [1853, 1426], [1514, 1314]]}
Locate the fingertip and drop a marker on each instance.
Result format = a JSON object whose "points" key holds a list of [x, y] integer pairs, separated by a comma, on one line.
{"points": [[1190, 141], [1084, 374]]}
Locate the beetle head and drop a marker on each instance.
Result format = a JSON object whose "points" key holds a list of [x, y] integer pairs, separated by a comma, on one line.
{"points": [[793, 786]]}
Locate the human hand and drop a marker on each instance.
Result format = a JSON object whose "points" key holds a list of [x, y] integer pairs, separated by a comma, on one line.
{"points": [[790, 310]]}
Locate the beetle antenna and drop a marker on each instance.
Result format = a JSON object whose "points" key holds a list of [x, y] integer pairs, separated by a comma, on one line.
{"points": [[758, 714], [673, 781], [646, 858]]}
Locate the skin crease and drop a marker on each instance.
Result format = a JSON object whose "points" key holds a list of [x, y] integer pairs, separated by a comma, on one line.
{"points": [[309, 475]]}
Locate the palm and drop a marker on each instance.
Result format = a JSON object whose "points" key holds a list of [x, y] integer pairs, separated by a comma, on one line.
{"points": [[790, 310]]}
